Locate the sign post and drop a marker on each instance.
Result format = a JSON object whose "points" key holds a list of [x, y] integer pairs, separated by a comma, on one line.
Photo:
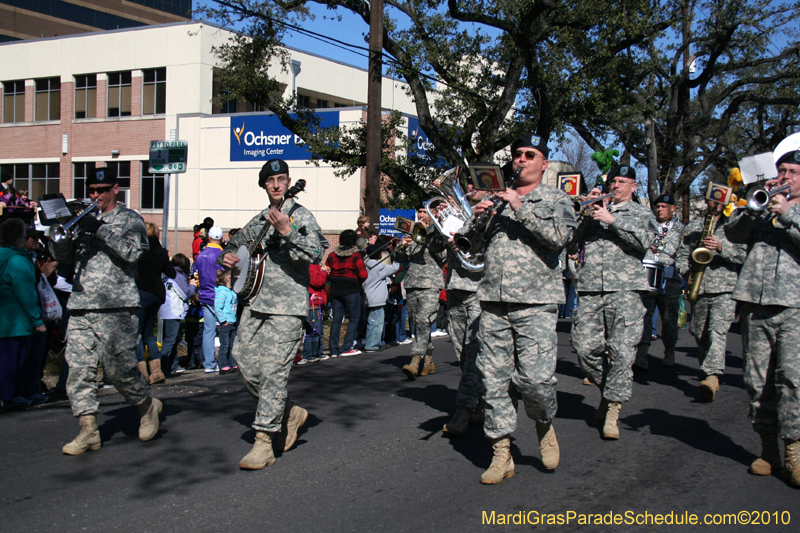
{"points": [[168, 157]]}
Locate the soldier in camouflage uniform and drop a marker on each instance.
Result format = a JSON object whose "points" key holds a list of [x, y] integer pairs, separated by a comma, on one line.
{"points": [[519, 296], [272, 321], [103, 327], [714, 309], [663, 250], [463, 319], [768, 290], [613, 239], [423, 282]]}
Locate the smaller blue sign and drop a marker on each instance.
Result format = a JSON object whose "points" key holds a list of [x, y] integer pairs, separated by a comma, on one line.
{"points": [[388, 218]]}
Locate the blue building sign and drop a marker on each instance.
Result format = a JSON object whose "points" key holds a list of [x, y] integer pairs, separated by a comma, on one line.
{"points": [[388, 218], [263, 137]]}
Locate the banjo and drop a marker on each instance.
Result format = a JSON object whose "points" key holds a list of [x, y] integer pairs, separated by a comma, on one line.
{"points": [[248, 274]]}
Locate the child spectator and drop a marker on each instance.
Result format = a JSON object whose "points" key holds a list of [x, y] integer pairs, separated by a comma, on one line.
{"points": [[318, 298], [194, 332], [225, 304], [376, 292]]}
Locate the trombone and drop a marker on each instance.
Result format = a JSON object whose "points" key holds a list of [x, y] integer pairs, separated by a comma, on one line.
{"points": [[62, 232]]}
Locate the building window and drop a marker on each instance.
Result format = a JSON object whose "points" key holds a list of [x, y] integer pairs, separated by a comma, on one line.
{"points": [[123, 169], [321, 103], [48, 99], [339, 105], [86, 96], [154, 97], [119, 94], [14, 101], [36, 178], [152, 188], [303, 101], [79, 171]]}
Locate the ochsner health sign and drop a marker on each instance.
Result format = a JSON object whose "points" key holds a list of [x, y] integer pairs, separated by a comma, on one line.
{"points": [[263, 137]]}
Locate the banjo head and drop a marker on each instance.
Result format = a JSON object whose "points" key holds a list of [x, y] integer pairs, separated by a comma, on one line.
{"points": [[241, 269]]}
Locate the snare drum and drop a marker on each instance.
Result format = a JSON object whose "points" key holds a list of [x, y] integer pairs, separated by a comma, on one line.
{"points": [[655, 275]]}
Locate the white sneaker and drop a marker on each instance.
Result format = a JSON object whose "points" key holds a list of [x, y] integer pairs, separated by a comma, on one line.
{"points": [[407, 341], [302, 362], [351, 353], [323, 357], [439, 333]]}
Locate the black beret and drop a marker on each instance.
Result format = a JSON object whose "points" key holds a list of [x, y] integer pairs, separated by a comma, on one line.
{"points": [[271, 168], [793, 158], [665, 199], [624, 171], [101, 176], [530, 141]]}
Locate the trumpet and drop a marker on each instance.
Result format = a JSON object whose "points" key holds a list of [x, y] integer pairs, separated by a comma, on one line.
{"points": [[758, 198], [62, 232], [580, 207]]}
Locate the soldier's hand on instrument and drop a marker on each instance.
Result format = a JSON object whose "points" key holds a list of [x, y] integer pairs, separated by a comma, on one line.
{"points": [[602, 214], [228, 260], [482, 206], [778, 204], [712, 243], [512, 197], [280, 220], [594, 193], [89, 224], [406, 240]]}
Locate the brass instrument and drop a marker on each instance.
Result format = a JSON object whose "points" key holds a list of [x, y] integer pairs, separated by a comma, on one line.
{"points": [[454, 213], [418, 234], [62, 232], [758, 198], [474, 242], [580, 206], [702, 256]]}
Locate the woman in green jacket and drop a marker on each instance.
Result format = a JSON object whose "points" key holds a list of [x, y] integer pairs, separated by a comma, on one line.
{"points": [[19, 302]]}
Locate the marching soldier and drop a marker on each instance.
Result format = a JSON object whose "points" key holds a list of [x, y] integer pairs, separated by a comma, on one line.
{"points": [[519, 297], [713, 312], [423, 282], [663, 250], [103, 327], [613, 239], [768, 290], [272, 321]]}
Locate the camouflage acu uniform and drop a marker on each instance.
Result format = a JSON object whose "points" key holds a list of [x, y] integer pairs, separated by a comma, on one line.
{"points": [[423, 282], [464, 312], [103, 327], [272, 322], [519, 295], [667, 302], [610, 313], [769, 290], [714, 309]]}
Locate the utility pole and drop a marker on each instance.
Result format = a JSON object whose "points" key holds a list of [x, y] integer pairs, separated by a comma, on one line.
{"points": [[372, 189]]}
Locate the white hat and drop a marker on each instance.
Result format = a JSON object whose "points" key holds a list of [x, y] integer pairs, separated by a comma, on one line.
{"points": [[215, 233], [789, 144]]}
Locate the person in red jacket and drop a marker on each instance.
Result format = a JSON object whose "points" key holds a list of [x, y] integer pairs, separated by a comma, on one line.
{"points": [[347, 273], [318, 299]]}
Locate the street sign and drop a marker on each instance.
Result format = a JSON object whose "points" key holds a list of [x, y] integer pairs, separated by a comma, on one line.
{"points": [[168, 157]]}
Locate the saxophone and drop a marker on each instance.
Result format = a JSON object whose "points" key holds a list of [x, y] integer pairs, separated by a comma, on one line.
{"points": [[702, 256]]}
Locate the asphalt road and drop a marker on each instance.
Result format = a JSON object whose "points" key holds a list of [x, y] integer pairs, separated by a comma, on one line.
{"points": [[372, 457]]}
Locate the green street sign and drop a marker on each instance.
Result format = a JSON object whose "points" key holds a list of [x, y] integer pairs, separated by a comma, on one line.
{"points": [[168, 157]]}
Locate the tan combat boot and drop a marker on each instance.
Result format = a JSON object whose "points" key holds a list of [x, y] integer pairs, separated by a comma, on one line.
{"points": [[156, 375], [709, 388], [457, 427], [669, 358], [411, 370], [548, 445], [261, 455], [610, 429], [296, 418], [791, 462], [142, 366], [502, 464], [149, 411], [770, 458], [428, 366], [87, 439], [641, 357]]}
